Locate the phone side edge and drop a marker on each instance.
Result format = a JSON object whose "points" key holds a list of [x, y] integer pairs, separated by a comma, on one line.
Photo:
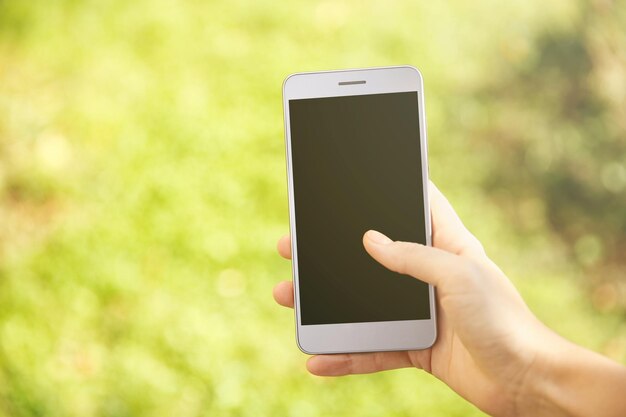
{"points": [[291, 209]]}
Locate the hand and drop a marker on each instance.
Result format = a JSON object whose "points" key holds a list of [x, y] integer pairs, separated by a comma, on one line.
{"points": [[490, 348], [483, 322]]}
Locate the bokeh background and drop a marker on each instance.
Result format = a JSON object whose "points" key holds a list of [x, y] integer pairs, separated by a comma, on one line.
{"points": [[143, 188]]}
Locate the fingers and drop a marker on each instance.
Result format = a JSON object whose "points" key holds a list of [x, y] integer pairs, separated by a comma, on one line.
{"points": [[357, 363], [449, 232], [284, 247], [283, 293], [428, 264]]}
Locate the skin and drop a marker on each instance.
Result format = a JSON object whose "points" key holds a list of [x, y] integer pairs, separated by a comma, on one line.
{"points": [[491, 349]]}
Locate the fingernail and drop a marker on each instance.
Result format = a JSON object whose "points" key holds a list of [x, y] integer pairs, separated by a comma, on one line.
{"points": [[377, 237]]}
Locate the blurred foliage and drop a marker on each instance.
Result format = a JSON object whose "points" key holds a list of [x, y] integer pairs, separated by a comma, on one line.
{"points": [[557, 138], [142, 189]]}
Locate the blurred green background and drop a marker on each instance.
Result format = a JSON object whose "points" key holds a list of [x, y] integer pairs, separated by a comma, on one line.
{"points": [[142, 189]]}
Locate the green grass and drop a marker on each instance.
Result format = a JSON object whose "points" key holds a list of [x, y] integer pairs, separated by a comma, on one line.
{"points": [[142, 190]]}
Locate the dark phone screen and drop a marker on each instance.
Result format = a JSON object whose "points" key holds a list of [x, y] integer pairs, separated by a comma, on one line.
{"points": [[356, 166]]}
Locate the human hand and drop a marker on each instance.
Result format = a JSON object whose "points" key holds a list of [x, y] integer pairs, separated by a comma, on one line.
{"points": [[490, 348], [482, 351]]}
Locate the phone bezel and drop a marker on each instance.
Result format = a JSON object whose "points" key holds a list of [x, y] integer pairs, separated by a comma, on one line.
{"points": [[368, 336]]}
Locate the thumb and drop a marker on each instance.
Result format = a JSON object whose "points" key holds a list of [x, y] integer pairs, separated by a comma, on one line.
{"points": [[425, 263]]}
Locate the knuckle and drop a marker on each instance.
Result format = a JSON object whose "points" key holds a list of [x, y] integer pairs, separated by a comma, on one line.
{"points": [[478, 245], [350, 363], [379, 361], [402, 257], [470, 272]]}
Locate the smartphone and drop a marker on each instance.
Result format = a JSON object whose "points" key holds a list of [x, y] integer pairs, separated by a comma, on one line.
{"points": [[356, 160]]}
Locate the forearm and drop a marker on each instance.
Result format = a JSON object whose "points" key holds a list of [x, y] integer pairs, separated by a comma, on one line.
{"points": [[568, 380]]}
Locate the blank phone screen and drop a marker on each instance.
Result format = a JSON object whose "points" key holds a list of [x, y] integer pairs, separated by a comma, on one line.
{"points": [[356, 164]]}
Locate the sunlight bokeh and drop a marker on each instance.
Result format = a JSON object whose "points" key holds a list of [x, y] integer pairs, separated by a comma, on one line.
{"points": [[143, 188]]}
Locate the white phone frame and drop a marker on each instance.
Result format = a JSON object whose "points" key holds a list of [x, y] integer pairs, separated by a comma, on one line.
{"points": [[369, 336]]}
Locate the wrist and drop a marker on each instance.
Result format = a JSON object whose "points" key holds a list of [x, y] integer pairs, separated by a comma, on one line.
{"points": [[539, 394], [567, 380]]}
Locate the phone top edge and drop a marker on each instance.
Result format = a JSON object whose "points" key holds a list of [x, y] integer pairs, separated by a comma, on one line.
{"points": [[352, 70], [363, 81], [337, 71]]}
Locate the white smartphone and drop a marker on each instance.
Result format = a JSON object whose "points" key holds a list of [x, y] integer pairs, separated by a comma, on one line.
{"points": [[356, 160]]}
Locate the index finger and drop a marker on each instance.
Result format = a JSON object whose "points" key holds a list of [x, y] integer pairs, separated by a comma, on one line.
{"points": [[284, 247]]}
